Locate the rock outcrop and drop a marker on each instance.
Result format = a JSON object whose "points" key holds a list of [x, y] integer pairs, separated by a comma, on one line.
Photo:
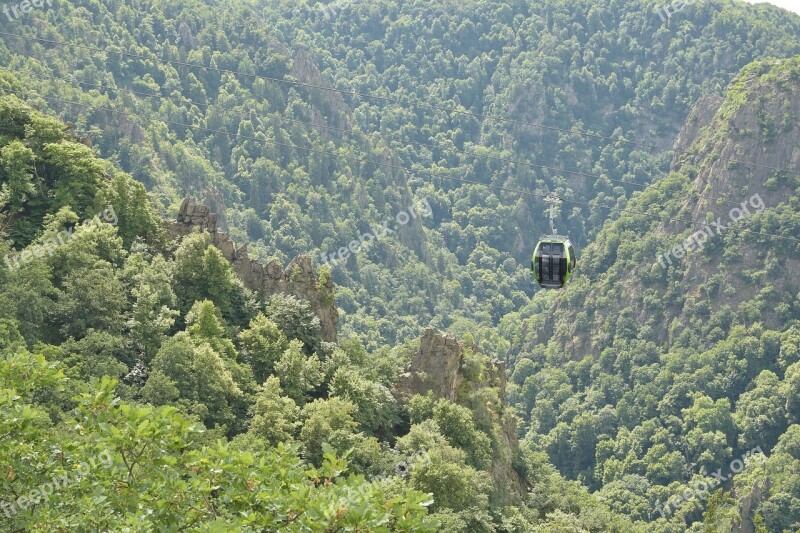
{"points": [[439, 367], [747, 504], [700, 116], [297, 279]]}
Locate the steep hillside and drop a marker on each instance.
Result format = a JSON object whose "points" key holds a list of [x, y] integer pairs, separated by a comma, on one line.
{"points": [[154, 377], [214, 374], [733, 267], [447, 368], [673, 353]]}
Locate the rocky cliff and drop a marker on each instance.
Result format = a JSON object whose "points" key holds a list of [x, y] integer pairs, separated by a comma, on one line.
{"points": [[440, 367], [297, 279]]}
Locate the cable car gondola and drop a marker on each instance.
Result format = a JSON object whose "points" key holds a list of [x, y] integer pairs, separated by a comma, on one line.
{"points": [[554, 257]]}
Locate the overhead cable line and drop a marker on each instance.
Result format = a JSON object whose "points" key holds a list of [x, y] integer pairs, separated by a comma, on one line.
{"points": [[345, 130], [596, 177], [624, 210], [399, 101]]}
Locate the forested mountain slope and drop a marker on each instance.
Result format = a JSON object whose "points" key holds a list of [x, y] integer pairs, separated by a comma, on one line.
{"points": [[210, 386], [676, 349], [235, 130], [145, 387]]}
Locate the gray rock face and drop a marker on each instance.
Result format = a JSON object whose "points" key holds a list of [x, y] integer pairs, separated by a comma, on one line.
{"points": [[700, 116], [297, 279], [731, 149], [438, 367]]}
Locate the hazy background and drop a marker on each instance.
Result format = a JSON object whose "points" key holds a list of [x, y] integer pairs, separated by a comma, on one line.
{"points": [[791, 5]]}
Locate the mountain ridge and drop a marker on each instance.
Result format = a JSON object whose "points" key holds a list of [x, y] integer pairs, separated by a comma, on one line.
{"points": [[711, 199]]}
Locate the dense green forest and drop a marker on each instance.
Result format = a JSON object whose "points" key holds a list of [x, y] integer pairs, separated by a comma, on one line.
{"points": [[245, 146], [144, 387], [149, 386], [666, 377]]}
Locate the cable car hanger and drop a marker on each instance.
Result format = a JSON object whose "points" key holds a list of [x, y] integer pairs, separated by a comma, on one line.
{"points": [[554, 258]]}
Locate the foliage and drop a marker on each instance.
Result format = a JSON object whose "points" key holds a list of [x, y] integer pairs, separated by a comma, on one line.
{"points": [[218, 411]]}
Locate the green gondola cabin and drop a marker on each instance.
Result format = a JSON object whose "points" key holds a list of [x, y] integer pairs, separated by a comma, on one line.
{"points": [[553, 261]]}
